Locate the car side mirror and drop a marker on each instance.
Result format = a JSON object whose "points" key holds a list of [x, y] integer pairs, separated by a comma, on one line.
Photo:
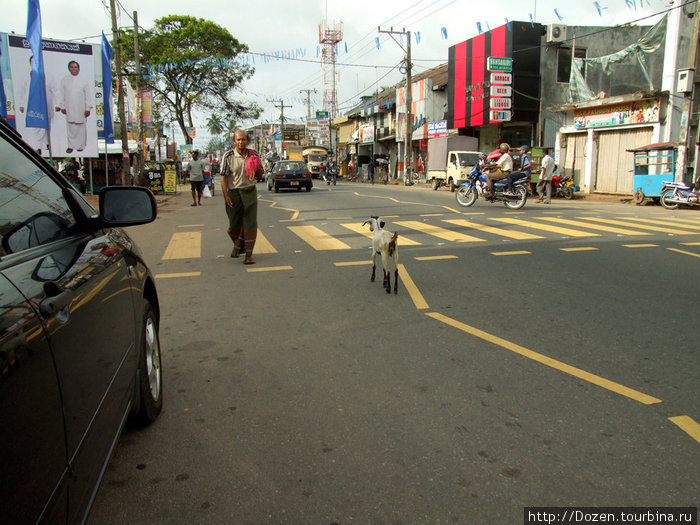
{"points": [[127, 206]]}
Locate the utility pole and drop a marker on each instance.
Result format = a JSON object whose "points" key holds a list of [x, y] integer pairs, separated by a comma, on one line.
{"points": [[139, 108], [408, 153], [120, 92], [308, 101], [280, 107], [688, 150]]}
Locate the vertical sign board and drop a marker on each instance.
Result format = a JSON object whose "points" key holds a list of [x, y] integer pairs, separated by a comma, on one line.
{"points": [[500, 105]]}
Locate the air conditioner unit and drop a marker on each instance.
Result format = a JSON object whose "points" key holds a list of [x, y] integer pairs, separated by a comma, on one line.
{"points": [[556, 33]]}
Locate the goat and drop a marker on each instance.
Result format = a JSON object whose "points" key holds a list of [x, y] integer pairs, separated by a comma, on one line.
{"points": [[385, 244]]}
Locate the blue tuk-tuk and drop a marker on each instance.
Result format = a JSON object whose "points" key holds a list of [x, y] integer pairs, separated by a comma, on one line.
{"points": [[653, 165]]}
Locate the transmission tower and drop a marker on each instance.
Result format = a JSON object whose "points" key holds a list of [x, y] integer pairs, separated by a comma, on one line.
{"points": [[329, 36]]}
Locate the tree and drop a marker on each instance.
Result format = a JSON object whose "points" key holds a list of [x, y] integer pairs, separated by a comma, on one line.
{"points": [[215, 125], [190, 64]]}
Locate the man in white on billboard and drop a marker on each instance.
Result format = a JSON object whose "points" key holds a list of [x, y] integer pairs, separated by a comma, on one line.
{"points": [[75, 102], [37, 138]]}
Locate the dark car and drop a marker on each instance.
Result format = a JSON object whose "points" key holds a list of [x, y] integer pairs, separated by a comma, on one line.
{"points": [[79, 345], [289, 174]]}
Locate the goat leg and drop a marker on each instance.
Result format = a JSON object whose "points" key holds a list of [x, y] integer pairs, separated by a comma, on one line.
{"points": [[374, 268], [387, 281], [396, 280]]}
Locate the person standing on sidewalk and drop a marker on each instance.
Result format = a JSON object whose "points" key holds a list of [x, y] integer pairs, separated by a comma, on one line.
{"points": [[240, 195], [545, 178], [196, 171]]}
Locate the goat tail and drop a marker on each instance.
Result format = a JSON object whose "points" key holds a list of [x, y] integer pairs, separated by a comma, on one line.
{"points": [[392, 243]]}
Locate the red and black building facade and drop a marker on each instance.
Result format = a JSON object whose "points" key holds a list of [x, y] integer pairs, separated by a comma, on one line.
{"points": [[469, 97]]}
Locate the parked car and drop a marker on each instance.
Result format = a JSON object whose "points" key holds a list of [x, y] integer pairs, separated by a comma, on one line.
{"points": [[289, 174], [79, 345]]}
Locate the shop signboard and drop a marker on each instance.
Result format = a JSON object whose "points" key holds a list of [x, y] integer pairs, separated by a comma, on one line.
{"points": [[501, 78], [499, 115], [501, 91], [504, 64], [501, 102], [437, 129]]}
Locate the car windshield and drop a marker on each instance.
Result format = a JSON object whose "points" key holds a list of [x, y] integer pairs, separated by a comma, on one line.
{"points": [[316, 158], [290, 166], [468, 159]]}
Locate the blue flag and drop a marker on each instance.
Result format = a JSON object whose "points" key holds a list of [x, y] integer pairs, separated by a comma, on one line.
{"points": [[107, 53], [37, 114], [3, 100]]}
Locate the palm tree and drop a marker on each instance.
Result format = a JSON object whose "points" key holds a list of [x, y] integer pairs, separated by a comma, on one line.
{"points": [[215, 125]]}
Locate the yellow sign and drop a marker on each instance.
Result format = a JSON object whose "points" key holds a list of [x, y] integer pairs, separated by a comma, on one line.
{"points": [[170, 182]]}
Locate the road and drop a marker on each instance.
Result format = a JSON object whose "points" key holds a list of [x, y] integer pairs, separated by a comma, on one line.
{"points": [[544, 357]]}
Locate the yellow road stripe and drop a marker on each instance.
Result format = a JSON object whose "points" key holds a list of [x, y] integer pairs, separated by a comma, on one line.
{"points": [[688, 425], [512, 234], [642, 226], [191, 226], [352, 263], [668, 222], [273, 204], [175, 275], [690, 244], [599, 227], [186, 245], [436, 258], [640, 245], [269, 269], [262, 245], [546, 227], [498, 254], [684, 252], [364, 230], [412, 289], [548, 361], [580, 249], [318, 239], [436, 231]]}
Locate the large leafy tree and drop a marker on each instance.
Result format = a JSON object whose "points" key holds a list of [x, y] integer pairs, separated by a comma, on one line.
{"points": [[190, 64]]}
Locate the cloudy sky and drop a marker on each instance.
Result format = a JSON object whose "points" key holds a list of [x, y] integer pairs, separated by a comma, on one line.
{"points": [[290, 28]]}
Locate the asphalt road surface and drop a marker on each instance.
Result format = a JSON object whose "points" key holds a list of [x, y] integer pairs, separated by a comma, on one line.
{"points": [[544, 357]]}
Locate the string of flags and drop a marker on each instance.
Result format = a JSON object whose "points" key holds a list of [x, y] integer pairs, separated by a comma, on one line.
{"points": [[248, 59]]}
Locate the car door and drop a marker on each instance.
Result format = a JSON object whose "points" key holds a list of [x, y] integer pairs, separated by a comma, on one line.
{"points": [[33, 462], [83, 291]]}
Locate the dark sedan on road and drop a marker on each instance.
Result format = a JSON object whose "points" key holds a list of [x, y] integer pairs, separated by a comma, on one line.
{"points": [[79, 345], [289, 174]]}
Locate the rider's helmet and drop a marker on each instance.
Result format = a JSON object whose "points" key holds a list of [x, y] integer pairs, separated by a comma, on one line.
{"points": [[525, 148]]}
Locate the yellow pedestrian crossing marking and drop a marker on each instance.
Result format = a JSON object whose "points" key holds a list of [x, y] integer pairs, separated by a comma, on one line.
{"points": [[317, 238], [262, 245], [611, 229], [185, 245], [511, 234], [546, 227], [667, 222], [436, 231], [580, 249], [357, 227], [641, 226]]}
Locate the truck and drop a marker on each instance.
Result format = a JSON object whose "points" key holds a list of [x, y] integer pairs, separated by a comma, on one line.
{"points": [[314, 156], [451, 159]]}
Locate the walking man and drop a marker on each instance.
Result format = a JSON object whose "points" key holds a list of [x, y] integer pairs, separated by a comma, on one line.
{"points": [[545, 178], [241, 196], [195, 169]]}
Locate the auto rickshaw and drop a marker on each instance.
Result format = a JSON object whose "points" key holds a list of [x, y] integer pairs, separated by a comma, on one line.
{"points": [[654, 164]]}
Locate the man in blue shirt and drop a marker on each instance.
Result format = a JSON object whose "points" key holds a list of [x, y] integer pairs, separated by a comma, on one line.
{"points": [[525, 169]]}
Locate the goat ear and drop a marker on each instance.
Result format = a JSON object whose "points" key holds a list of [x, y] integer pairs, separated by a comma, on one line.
{"points": [[381, 224]]}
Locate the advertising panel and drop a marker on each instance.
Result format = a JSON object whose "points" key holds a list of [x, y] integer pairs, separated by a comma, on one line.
{"points": [[73, 77]]}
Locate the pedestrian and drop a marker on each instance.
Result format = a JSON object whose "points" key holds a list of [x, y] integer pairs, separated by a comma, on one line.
{"points": [[370, 170], [545, 179], [75, 102], [195, 168], [240, 195], [504, 165]]}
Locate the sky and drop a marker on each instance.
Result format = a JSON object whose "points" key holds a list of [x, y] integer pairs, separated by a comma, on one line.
{"points": [[290, 29]]}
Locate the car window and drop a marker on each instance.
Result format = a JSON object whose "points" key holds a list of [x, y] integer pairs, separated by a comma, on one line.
{"points": [[33, 209]]}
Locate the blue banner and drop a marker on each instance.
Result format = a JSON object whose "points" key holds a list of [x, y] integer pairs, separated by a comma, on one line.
{"points": [[107, 52], [3, 99], [37, 114]]}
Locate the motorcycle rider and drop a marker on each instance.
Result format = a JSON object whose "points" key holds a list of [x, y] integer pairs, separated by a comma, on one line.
{"points": [[525, 169], [503, 166]]}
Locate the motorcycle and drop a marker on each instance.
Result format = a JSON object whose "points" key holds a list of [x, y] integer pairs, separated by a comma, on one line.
{"points": [[330, 174], [562, 187], [475, 185], [673, 194]]}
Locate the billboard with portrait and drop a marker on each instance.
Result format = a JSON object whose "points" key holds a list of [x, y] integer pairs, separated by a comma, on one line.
{"points": [[73, 95]]}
